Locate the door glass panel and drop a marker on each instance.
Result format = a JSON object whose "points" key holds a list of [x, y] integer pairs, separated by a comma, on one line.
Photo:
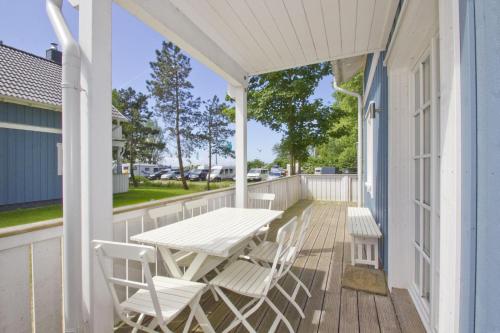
{"points": [[417, 268], [417, 90], [417, 224], [417, 134], [427, 180], [427, 232], [426, 287], [427, 130], [417, 179], [427, 80]]}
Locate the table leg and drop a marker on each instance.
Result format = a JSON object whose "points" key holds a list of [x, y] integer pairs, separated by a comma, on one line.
{"points": [[195, 266], [170, 262]]}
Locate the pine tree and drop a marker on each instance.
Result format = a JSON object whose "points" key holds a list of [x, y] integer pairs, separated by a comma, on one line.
{"points": [[174, 103]]}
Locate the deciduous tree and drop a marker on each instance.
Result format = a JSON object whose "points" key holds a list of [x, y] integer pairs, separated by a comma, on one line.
{"points": [[283, 101], [138, 131]]}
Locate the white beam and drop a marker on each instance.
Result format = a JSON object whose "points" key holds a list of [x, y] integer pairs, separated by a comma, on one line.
{"points": [[239, 93], [454, 174], [169, 21], [97, 200]]}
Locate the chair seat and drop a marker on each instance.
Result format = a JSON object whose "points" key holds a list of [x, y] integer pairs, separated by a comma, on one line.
{"points": [[244, 278], [266, 251], [173, 295]]}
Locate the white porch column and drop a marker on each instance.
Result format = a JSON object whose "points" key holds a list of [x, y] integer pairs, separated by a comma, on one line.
{"points": [[97, 200], [239, 93]]}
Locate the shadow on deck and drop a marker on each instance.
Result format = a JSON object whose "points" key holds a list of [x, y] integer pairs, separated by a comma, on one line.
{"points": [[331, 308]]}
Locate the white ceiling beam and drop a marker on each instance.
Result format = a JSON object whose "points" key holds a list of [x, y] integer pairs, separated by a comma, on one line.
{"points": [[168, 20]]}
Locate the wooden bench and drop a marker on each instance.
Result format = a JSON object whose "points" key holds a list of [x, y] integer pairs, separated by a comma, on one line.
{"points": [[365, 236]]}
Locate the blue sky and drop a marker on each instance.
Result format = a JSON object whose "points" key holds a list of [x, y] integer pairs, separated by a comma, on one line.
{"points": [[24, 25]]}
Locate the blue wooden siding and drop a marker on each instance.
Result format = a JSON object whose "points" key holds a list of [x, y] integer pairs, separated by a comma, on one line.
{"points": [[28, 159], [21, 114], [487, 98], [377, 201]]}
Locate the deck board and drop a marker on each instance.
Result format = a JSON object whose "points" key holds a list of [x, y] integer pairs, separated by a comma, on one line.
{"points": [[331, 308]]}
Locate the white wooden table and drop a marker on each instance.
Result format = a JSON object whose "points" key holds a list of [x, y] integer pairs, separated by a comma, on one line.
{"points": [[213, 237], [365, 235]]}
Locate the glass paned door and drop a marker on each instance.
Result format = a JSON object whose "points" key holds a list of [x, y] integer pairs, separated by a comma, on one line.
{"points": [[422, 161], [426, 169]]}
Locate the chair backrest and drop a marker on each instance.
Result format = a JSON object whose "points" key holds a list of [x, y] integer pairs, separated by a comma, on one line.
{"points": [[284, 239], [255, 196], [145, 255], [163, 212], [195, 207], [305, 219]]}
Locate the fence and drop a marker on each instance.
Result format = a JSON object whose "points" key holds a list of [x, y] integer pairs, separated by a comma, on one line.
{"points": [[329, 187]]}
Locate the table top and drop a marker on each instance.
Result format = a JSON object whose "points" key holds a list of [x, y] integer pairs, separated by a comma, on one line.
{"points": [[214, 233]]}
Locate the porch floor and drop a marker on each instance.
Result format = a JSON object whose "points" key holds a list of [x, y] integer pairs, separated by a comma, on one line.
{"points": [[331, 308]]}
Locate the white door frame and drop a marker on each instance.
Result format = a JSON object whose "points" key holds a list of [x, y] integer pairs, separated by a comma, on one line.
{"points": [[428, 309]]}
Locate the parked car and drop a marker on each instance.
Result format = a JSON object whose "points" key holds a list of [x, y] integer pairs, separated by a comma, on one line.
{"points": [[219, 173], [171, 175], [275, 173], [257, 174], [186, 175], [198, 174], [157, 175]]}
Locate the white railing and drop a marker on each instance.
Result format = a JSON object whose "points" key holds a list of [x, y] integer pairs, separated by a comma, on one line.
{"points": [[31, 255], [31, 278], [341, 187]]}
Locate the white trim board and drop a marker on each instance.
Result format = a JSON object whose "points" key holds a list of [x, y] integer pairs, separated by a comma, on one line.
{"points": [[371, 75], [24, 127]]}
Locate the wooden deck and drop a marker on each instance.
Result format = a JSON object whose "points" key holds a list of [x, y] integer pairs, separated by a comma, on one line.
{"points": [[331, 308]]}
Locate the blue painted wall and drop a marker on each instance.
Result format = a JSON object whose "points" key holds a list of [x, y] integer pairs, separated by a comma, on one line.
{"points": [[377, 201], [28, 159], [487, 50]]}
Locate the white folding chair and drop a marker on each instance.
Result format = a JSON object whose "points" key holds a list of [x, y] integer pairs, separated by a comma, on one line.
{"points": [[265, 252], [163, 212], [160, 297], [195, 207], [255, 281], [259, 200]]}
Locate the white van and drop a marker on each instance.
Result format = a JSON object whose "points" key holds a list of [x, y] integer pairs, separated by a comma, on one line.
{"points": [[257, 174], [141, 169], [220, 172]]}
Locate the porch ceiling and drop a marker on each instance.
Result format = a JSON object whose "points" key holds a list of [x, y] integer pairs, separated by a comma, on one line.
{"points": [[244, 37]]}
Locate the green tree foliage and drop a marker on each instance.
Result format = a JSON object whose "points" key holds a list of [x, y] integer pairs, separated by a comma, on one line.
{"points": [[139, 131], [341, 148], [153, 151], [171, 89], [282, 101], [256, 163], [214, 131]]}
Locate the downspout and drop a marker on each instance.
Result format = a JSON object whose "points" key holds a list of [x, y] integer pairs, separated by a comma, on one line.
{"points": [[72, 249], [360, 137]]}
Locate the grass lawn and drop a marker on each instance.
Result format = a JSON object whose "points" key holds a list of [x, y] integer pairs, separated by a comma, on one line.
{"points": [[143, 193]]}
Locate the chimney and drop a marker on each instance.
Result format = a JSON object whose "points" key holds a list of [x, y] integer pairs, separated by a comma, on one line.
{"points": [[53, 54]]}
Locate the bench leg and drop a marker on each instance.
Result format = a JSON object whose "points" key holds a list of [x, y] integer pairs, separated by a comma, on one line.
{"points": [[376, 253]]}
